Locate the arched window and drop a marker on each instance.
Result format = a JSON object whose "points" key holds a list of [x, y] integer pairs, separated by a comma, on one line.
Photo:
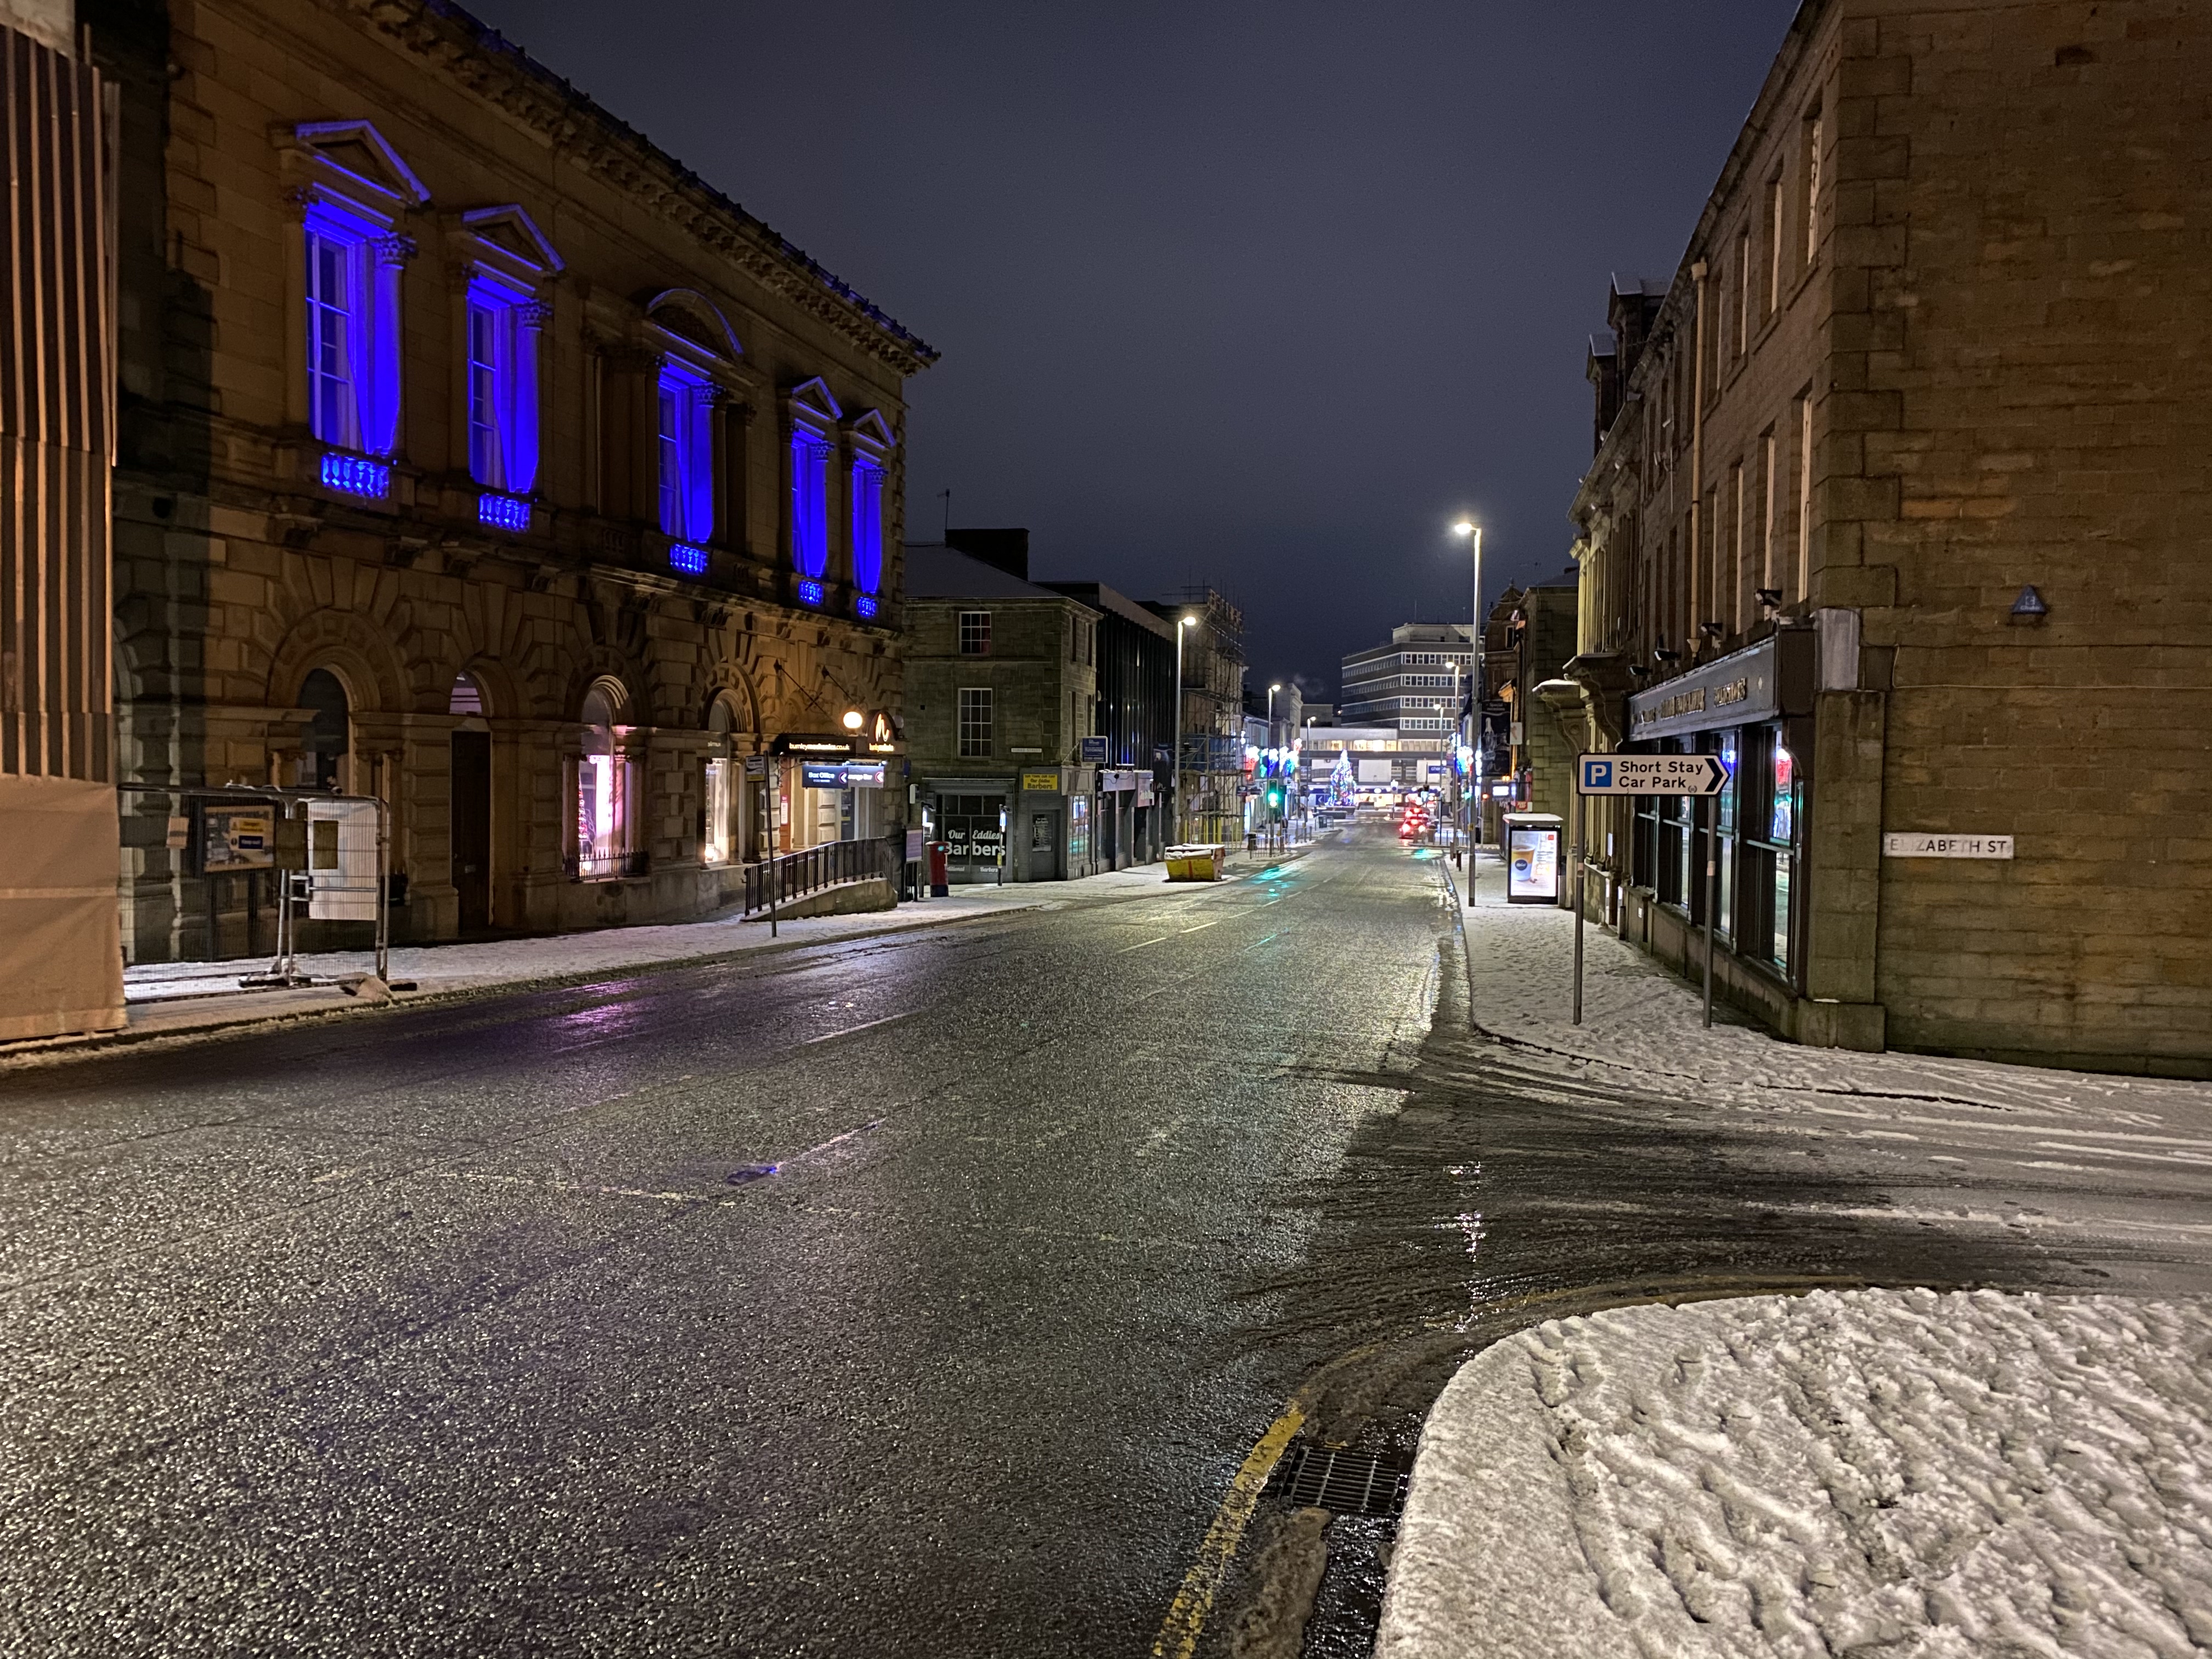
{"points": [[602, 786], [326, 738], [467, 696], [719, 838]]}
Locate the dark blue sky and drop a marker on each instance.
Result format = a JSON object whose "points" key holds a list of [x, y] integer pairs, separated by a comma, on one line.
{"points": [[1262, 294]]}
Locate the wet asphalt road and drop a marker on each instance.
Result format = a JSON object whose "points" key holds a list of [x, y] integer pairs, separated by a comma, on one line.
{"points": [[913, 1296], [449, 1332]]}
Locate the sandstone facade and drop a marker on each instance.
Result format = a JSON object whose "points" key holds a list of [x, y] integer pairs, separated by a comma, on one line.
{"points": [[1928, 378]]}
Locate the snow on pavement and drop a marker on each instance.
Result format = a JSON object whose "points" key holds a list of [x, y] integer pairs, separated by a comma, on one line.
{"points": [[1891, 1472]]}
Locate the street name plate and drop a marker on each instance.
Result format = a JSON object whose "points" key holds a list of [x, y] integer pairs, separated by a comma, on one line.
{"points": [[1914, 845], [1649, 774]]}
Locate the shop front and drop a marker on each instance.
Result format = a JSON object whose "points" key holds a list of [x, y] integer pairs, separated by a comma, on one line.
{"points": [[1752, 709]]}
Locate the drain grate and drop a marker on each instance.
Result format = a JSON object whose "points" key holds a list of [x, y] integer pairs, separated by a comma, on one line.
{"points": [[1347, 1481]]}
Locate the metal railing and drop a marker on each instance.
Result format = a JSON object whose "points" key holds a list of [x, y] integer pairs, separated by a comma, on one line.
{"points": [[774, 883]]}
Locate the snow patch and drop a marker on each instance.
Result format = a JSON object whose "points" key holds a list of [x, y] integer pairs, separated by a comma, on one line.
{"points": [[1901, 1474]]}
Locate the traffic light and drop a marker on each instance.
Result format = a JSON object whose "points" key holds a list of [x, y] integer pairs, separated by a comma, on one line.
{"points": [[1274, 800]]}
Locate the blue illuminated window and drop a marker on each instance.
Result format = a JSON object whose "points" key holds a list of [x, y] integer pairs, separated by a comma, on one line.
{"points": [[503, 511], [357, 475], [353, 329], [810, 506], [691, 561], [867, 527], [864, 605], [504, 324], [687, 470], [810, 592]]}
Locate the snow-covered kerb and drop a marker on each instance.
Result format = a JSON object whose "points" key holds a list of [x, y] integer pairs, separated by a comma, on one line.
{"points": [[1916, 1475]]}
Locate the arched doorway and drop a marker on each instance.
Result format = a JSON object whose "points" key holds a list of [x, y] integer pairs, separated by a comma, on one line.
{"points": [[470, 805], [327, 736]]}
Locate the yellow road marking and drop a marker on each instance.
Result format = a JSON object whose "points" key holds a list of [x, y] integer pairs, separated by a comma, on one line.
{"points": [[1178, 1637]]}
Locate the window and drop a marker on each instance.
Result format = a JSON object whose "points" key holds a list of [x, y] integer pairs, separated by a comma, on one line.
{"points": [[687, 457], [1812, 188], [503, 370], [332, 336], [1805, 494], [1724, 813], [867, 528], [809, 503], [1774, 245], [974, 720], [975, 632], [1772, 793], [602, 803], [1743, 291], [352, 331], [720, 837]]}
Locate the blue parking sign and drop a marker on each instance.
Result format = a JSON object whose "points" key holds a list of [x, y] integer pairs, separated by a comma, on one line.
{"points": [[1597, 773]]}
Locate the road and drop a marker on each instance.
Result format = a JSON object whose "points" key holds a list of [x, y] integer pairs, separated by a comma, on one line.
{"points": [[913, 1297]]}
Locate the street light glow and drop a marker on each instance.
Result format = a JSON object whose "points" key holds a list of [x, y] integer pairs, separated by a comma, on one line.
{"points": [[1190, 622], [853, 720], [1464, 527]]}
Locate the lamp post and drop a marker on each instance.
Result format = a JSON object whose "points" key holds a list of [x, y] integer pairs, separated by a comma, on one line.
{"points": [[1468, 528], [1181, 819]]}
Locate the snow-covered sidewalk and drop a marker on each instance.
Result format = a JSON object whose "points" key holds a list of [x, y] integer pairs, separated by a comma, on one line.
{"points": [[1916, 1475], [1640, 1022]]}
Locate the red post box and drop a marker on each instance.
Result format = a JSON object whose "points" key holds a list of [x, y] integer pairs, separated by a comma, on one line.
{"points": [[940, 875]]}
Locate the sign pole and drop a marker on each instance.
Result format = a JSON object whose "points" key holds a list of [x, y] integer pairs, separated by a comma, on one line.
{"points": [[1712, 865], [1582, 830]]}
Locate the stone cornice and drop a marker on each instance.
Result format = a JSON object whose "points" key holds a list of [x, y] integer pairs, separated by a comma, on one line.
{"points": [[450, 43]]}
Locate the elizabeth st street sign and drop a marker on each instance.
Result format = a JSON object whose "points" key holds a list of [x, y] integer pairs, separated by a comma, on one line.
{"points": [[1647, 774]]}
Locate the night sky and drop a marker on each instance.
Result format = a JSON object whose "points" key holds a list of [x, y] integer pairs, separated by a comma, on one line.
{"points": [[1262, 294]]}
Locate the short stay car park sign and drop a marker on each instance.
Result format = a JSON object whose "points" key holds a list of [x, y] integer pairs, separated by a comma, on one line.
{"points": [[1649, 774]]}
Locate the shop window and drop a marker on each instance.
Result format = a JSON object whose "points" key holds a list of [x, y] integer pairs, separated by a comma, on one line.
{"points": [[974, 720], [1725, 814], [602, 788], [1772, 797]]}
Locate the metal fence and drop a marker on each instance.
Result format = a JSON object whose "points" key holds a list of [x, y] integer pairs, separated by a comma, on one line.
{"points": [[788, 879]]}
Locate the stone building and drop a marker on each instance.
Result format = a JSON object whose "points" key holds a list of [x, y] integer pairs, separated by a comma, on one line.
{"points": [[1002, 687], [1898, 509], [1134, 731], [478, 457], [1541, 638], [1211, 770]]}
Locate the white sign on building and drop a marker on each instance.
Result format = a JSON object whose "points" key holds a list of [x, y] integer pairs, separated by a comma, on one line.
{"points": [[1915, 845]]}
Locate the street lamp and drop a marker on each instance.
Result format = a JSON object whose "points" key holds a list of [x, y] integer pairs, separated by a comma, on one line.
{"points": [[1473, 530], [1181, 821]]}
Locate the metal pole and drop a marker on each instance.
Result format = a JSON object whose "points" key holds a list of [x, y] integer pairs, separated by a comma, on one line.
{"points": [[1178, 734], [1474, 814], [1712, 865], [1581, 831], [383, 894], [770, 872]]}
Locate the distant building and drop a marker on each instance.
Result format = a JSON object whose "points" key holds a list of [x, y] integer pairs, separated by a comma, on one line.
{"points": [[1897, 513], [1211, 768], [1541, 640], [1002, 683], [1135, 721], [1415, 684]]}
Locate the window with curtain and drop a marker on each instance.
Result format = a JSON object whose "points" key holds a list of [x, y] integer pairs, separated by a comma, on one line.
{"points": [[503, 344], [811, 453], [687, 455], [353, 331], [867, 527]]}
